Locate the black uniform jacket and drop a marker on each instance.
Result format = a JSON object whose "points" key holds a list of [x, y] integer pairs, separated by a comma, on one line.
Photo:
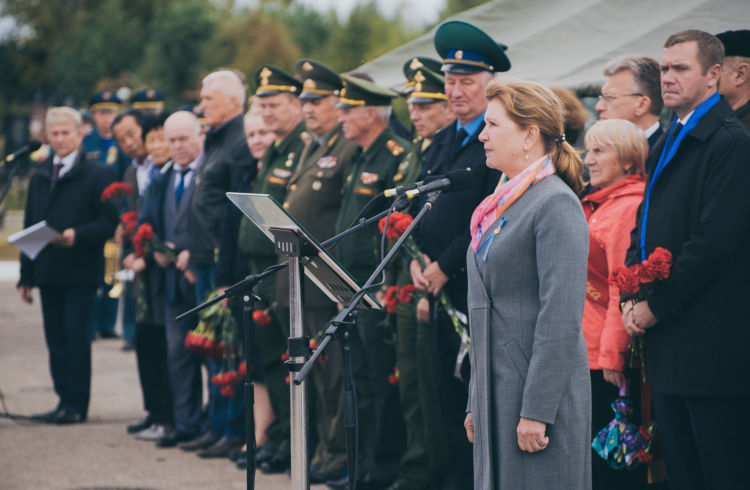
{"points": [[443, 233], [700, 212]]}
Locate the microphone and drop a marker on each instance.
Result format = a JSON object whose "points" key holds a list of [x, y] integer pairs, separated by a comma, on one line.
{"points": [[30, 147], [453, 181]]}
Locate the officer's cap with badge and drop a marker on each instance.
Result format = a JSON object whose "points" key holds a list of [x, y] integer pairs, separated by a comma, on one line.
{"points": [[428, 87], [414, 64], [466, 49], [318, 80], [105, 101], [358, 92], [147, 98], [736, 43], [271, 81]]}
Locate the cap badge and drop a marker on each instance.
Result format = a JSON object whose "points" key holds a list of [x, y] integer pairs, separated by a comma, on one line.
{"points": [[307, 66], [459, 54], [264, 74], [415, 63]]}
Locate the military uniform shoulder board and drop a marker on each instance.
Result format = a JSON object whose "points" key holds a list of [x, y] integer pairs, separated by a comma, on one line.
{"points": [[394, 148], [333, 140]]}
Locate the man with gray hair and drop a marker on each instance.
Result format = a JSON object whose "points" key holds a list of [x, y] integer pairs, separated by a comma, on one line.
{"points": [[65, 191], [225, 157], [632, 92]]}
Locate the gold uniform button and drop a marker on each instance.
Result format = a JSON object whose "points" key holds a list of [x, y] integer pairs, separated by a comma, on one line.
{"points": [[320, 174], [317, 185], [293, 187], [286, 205]]}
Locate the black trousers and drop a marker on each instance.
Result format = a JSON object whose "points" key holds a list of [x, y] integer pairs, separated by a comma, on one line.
{"points": [[453, 395], [67, 311], [151, 355], [704, 440]]}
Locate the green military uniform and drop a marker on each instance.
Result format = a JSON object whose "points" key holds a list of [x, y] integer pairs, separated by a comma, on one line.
{"points": [[374, 169], [277, 168]]}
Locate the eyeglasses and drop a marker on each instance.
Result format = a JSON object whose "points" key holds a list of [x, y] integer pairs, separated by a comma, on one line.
{"points": [[610, 98]]}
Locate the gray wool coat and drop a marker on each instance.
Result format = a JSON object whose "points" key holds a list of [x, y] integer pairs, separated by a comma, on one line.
{"points": [[528, 356]]}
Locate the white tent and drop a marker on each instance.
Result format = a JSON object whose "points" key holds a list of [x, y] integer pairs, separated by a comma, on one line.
{"points": [[568, 42]]}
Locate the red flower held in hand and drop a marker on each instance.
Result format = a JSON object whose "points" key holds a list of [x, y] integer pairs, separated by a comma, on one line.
{"points": [[394, 377], [397, 224], [242, 369], [625, 280], [391, 299], [129, 220], [659, 263], [407, 293], [144, 235], [227, 391], [116, 189], [261, 317]]}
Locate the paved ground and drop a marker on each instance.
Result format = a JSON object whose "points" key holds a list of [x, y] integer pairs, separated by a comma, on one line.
{"points": [[98, 454]]}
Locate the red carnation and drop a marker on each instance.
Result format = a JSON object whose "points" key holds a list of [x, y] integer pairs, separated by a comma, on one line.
{"points": [[227, 391], [625, 279], [391, 299], [394, 377], [129, 219], [402, 223], [231, 378], [286, 380], [284, 357], [397, 224], [659, 263], [242, 369], [116, 189], [144, 235], [406, 294], [261, 317]]}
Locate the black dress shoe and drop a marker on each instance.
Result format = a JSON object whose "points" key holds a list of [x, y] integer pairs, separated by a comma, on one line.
{"points": [[241, 463], [66, 416], [221, 448], [140, 425], [108, 334], [264, 453], [46, 417], [174, 438], [365, 482], [319, 475], [235, 456], [279, 463], [206, 440]]}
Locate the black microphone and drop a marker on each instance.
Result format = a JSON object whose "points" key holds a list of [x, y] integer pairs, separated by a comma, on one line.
{"points": [[453, 181], [30, 147]]}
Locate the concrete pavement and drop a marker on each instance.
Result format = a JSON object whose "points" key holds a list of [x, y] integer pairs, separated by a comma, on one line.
{"points": [[98, 454]]}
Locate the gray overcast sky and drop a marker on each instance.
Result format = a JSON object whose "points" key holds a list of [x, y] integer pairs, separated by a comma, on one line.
{"points": [[420, 12]]}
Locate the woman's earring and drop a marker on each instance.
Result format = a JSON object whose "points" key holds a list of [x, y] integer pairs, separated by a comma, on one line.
{"points": [[526, 157]]}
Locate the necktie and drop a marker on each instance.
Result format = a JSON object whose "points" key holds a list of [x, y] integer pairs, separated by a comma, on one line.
{"points": [[181, 186], [460, 137], [673, 136], [56, 173]]}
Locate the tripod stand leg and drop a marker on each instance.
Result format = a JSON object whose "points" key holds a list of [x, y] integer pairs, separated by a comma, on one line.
{"points": [[247, 308]]}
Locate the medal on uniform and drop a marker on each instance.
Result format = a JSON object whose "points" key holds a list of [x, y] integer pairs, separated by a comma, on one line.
{"points": [[289, 160], [111, 155], [317, 185]]}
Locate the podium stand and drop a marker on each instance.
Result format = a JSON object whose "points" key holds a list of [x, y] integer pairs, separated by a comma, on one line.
{"points": [[308, 256]]}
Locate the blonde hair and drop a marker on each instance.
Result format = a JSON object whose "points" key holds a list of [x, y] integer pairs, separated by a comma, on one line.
{"points": [[628, 140], [65, 114], [531, 104]]}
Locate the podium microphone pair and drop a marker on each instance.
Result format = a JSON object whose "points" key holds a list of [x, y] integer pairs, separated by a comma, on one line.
{"points": [[452, 181], [23, 151]]}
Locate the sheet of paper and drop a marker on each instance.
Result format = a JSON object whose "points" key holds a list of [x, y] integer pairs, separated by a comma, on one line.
{"points": [[33, 239]]}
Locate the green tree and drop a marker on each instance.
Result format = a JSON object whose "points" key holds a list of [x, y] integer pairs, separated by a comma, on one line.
{"points": [[453, 7], [177, 38]]}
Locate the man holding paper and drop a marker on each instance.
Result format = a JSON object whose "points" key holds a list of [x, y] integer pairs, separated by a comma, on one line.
{"points": [[65, 191]]}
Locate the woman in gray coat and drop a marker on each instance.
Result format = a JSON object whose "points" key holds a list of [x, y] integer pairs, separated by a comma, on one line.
{"points": [[529, 397]]}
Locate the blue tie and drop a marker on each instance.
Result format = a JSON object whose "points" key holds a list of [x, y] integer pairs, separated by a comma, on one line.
{"points": [[181, 186]]}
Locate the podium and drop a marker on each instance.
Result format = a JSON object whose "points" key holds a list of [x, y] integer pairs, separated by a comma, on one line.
{"points": [[306, 256]]}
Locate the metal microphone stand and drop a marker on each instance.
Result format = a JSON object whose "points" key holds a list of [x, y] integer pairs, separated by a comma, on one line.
{"points": [[340, 328]]}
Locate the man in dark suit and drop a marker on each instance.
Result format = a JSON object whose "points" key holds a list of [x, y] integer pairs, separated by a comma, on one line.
{"points": [[66, 191], [695, 323], [632, 92], [167, 209], [470, 59]]}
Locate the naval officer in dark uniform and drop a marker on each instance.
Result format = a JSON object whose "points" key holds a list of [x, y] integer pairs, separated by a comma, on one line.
{"points": [[735, 73], [470, 59]]}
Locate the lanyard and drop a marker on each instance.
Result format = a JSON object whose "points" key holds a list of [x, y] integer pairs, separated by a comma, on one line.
{"points": [[667, 153]]}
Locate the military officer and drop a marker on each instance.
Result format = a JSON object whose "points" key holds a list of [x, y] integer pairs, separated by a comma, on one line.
{"points": [[735, 74], [425, 448], [365, 112], [148, 100], [100, 144], [470, 59], [313, 198], [281, 109]]}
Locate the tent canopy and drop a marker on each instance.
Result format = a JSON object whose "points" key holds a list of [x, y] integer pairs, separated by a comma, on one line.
{"points": [[568, 42]]}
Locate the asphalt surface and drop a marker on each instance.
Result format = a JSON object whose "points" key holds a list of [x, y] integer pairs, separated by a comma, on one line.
{"points": [[98, 454]]}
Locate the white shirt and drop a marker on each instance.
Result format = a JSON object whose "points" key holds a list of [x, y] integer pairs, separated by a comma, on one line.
{"points": [[652, 129], [67, 162], [143, 174], [685, 119], [188, 176]]}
